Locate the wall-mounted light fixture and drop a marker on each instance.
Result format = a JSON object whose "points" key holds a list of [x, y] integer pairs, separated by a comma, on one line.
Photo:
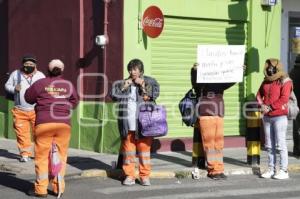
{"points": [[101, 40], [269, 2]]}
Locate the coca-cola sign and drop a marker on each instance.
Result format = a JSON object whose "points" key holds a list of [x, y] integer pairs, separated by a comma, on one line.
{"points": [[153, 21]]}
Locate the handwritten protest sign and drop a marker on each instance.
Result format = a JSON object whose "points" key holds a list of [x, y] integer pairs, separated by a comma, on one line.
{"points": [[220, 63]]}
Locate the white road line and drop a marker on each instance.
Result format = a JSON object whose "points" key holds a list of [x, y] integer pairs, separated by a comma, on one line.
{"points": [[232, 192], [174, 185]]}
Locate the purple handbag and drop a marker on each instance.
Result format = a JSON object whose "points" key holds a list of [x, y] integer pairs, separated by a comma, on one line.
{"points": [[153, 120]]}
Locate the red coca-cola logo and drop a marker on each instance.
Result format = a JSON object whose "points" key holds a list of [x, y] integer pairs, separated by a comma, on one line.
{"points": [[153, 21]]}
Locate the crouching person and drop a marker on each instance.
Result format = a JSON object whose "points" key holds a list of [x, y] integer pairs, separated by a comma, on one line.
{"points": [[54, 98], [129, 93]]}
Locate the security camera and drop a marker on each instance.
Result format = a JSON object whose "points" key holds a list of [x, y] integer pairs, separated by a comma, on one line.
{"points": [[101, 40]]}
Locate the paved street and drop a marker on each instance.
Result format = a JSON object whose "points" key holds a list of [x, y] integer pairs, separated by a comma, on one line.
{"points": [[241, 186]]}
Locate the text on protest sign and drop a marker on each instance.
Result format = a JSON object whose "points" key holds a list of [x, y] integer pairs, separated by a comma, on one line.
{"points": [[220, 63]]}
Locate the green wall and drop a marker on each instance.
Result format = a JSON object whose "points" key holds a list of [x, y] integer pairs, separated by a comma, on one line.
{"points": [[263, 34], [98, 128], [94, 126], [264, 42], [138, 45]]}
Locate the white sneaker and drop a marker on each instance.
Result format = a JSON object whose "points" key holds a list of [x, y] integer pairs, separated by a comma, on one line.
{"points": [[128, 181], [24, 159], [268, 174], [281, 175], [196, 174], [145, 182]]}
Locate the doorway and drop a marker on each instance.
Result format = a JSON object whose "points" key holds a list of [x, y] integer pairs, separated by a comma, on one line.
{"points": [[294, 21]]}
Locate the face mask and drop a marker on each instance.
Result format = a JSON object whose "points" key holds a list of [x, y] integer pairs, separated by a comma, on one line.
{"points": [[28, 69], [271, 70]]}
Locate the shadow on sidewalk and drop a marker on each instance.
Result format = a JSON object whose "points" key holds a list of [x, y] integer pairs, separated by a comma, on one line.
{"points": [[6, 154], [84, 163], [172, 159], [177, 147], [11, 181], [291, 154], [233, 161]]}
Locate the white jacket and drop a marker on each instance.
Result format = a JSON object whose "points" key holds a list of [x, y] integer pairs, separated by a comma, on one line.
{"points": [[26, 82]]}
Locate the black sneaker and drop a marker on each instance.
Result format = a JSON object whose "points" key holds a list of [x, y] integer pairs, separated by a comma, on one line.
{"points": [[213, 176], [218, 176], [222, 176], [32, 193]]}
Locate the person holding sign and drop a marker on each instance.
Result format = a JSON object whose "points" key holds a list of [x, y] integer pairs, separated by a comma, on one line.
{"points": [[218, 68], [211, 124], [273, 96]]}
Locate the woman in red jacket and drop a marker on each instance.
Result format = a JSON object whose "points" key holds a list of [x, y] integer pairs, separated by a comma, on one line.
{"points": [[273, 96]]}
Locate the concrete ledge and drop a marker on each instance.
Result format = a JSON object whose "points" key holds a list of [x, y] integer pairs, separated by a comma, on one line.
{"points": [[294, 168], [117, 173], [94, 173]]}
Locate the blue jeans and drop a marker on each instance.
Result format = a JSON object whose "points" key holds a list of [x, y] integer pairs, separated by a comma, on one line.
{"points": [[275, 138]]}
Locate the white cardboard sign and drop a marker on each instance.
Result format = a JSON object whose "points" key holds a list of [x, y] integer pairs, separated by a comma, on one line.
{"points": [[220, 63]]}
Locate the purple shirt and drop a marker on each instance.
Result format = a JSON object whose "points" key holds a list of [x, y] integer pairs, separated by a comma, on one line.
{"points": [[54, 98]]}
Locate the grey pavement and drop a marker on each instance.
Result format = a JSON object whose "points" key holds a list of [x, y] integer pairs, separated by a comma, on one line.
{"points": [[83, 163]]}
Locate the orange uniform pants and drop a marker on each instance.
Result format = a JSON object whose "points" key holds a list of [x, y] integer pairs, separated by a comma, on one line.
{"points": [[140, 147], [23, 122], [212, 133], [45, 133]]}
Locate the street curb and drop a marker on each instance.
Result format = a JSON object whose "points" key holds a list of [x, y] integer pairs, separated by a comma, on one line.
{"points": [[183, 173], [117, 173], [294, 168]]}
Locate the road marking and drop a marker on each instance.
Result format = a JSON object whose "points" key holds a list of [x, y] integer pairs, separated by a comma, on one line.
{"points": [[173, 185], [224, 193]]}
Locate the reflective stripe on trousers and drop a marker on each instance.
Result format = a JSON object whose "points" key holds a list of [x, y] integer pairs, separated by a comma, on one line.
{"points": [[24, 122], [212, 133], [45, 133], [129, 147]]}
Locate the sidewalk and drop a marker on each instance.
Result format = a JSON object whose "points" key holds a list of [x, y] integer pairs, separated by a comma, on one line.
{"points": [[164, 165]]}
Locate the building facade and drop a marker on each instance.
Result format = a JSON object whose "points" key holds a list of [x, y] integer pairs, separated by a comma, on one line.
{"points": [[68, 32]]}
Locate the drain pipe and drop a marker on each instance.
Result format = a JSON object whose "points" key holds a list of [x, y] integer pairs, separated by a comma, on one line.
{"points": [[81, 70], [106, 3]]}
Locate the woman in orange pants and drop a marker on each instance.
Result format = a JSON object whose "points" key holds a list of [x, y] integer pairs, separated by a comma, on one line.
{"points": [[54, 98], [129, 93]]}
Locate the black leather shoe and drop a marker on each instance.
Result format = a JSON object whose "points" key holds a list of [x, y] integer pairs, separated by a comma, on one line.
{"points": [[222, 176], [213, 176], [33, 194], [219, 176]]}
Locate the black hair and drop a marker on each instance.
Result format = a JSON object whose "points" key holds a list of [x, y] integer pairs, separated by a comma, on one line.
{"points": [[135, 63], [55, 72]]}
